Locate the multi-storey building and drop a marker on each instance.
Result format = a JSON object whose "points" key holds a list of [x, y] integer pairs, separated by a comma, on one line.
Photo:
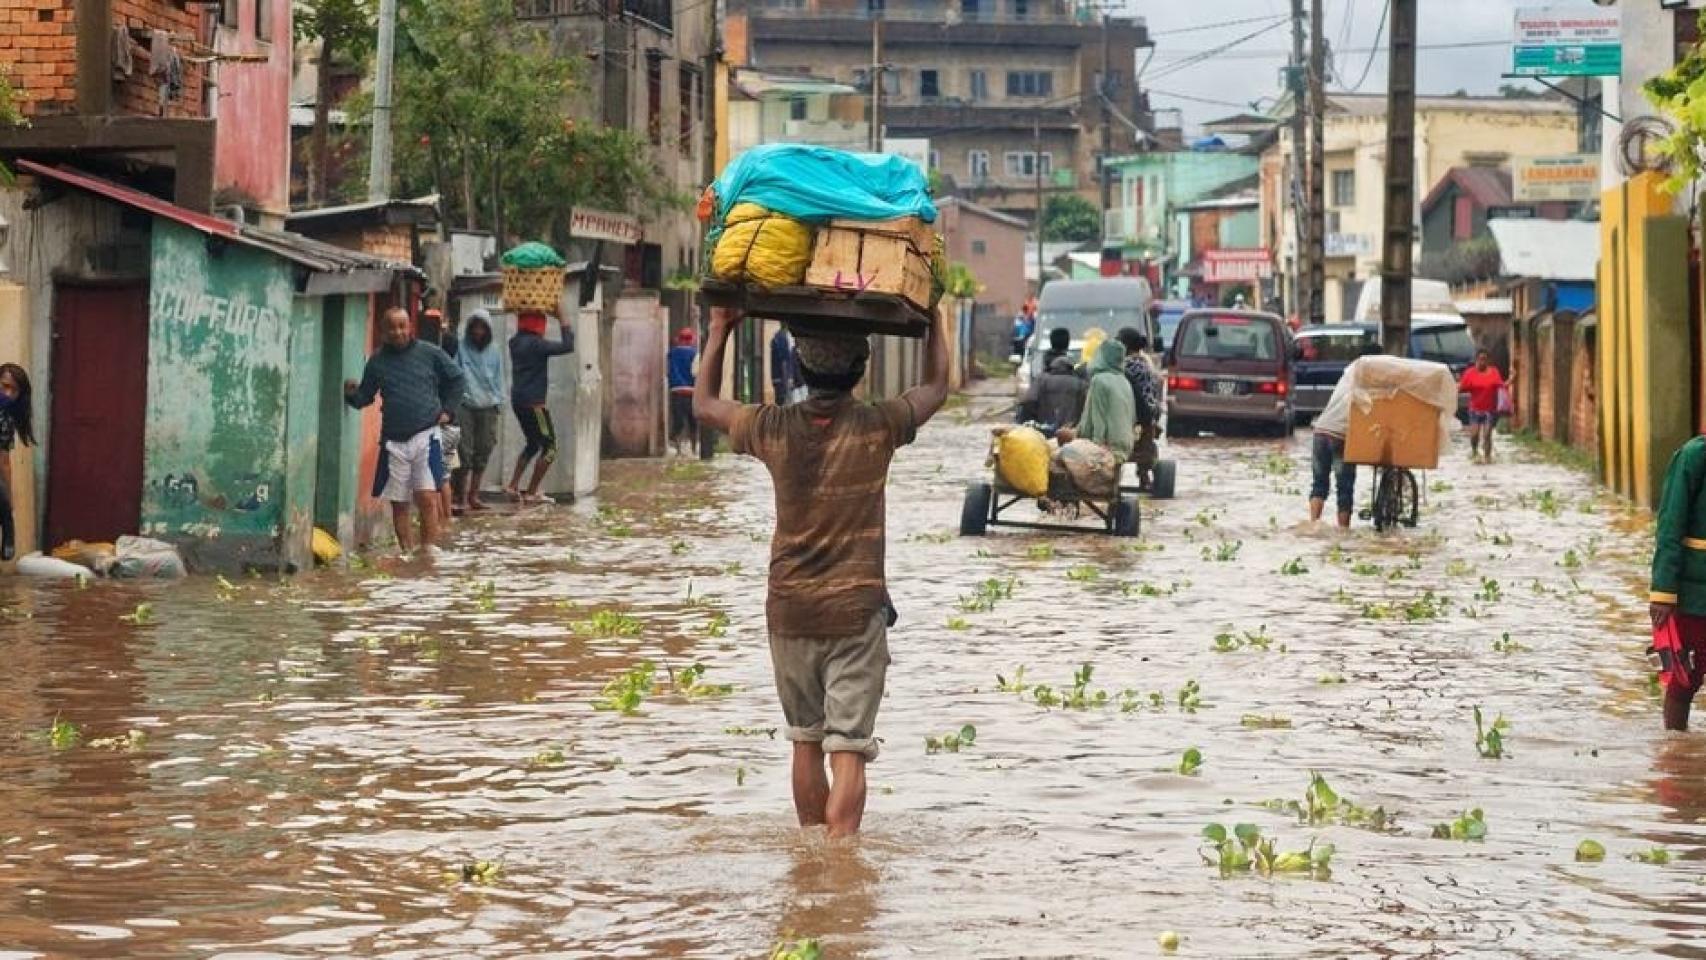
{"points": [[1002, 89]]}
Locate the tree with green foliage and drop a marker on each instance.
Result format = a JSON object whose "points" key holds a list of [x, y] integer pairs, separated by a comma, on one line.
{"points": [[1680, 94], [344, 29], [1070, 217], [482, 119]]}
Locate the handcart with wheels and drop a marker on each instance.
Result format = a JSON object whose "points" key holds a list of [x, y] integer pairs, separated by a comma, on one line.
{"points": [[1395, 415], [1063, 507]]}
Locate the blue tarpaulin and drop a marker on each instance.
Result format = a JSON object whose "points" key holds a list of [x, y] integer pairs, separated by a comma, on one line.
{"points": [[818, 184]]}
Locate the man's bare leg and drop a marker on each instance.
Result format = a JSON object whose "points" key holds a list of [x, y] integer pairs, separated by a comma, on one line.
{"points": [[514, 488], [811, 785], [1677, 703], [538, 477], [1316, 505], [404, 526], [1344, 519], [846, 807], [428, 502]]}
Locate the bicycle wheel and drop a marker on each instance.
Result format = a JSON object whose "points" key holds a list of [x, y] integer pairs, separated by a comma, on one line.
{"points": [[1386, 499], [1410, 499]]}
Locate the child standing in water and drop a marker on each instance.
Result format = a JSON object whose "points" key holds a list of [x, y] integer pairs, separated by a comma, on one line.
{"points": [[14, 426]]}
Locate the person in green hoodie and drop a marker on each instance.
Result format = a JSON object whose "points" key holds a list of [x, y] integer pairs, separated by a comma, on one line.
{"points": [[1110, 410], [1678, 590]]}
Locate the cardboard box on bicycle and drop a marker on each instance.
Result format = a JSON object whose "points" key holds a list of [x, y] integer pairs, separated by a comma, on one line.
{"points": [[1395, 431]]}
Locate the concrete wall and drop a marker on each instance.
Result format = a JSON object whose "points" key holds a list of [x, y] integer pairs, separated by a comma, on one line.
{"points": [[1645, 340], [251, 150], [219, 370]]}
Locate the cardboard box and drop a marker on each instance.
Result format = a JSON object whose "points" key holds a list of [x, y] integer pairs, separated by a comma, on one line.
{"points": [[1398, 432], [889, 256]]}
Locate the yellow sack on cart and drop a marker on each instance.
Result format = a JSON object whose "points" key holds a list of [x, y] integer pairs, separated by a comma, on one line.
{"points": [[1021, 457], [761, 247]]}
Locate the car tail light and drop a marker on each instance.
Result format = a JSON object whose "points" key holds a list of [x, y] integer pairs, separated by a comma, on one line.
{"points": [[1183, 383], [1275, 387]]}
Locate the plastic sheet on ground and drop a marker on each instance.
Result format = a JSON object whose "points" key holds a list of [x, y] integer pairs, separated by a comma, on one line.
{"points": [[1373, 378]]}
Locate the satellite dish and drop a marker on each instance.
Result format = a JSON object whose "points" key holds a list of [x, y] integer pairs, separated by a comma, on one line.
{"points": [[1637, 148]]}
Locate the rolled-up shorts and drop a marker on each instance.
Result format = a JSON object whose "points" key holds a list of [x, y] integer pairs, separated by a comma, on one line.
{"points": [[831, 689], [409, 466], [1328, 461], [1483, 418]]}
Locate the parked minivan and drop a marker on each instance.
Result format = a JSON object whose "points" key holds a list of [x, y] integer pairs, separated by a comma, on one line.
{"points": [[1230, 367], [1078, 305], [1322, 353]]}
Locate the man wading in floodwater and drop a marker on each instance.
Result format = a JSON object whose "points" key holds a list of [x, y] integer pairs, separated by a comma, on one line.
{"points": [[829, 609]]}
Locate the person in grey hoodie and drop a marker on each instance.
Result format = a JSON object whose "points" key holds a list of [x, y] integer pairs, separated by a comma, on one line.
{"points": [[422, 389], [481, 364]]}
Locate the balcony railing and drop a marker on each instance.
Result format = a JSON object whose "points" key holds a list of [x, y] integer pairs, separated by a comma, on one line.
{"points": [[658, 13]]}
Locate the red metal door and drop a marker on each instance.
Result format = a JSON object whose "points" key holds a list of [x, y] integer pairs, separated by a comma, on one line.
{"points": [[100, 398]]}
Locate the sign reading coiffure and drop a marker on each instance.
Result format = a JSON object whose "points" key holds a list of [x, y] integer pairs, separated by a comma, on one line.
{"points": [[1236, 266], [585, 224]]}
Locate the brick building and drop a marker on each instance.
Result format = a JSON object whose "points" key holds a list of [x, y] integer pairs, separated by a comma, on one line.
{"points": [[132, 89]]}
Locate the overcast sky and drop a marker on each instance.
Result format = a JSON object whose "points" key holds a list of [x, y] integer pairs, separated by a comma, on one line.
{"points": [[1251, 70]]}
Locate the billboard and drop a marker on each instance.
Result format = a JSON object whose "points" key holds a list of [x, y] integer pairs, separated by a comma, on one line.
{"points": [[915, 149], [1237, 266], [1572, 178], [1567, 42]]}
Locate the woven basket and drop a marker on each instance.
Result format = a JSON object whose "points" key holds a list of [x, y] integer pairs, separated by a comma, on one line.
{"points": [[539, 289]]}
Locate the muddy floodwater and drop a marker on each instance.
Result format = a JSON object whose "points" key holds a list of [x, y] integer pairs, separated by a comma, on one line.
{"points": [[407, 761]]}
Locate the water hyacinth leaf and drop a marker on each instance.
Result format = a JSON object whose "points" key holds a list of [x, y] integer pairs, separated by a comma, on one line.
{"points": [[1247, 833], [968, 734], [1215, 832], [1190, 762], [1590, 851]]}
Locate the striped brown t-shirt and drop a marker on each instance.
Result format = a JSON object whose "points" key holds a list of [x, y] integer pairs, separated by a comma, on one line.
{"points": [[829, 462]]}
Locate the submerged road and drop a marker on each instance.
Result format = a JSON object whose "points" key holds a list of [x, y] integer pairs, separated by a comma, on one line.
{"points": [[410, 761]]}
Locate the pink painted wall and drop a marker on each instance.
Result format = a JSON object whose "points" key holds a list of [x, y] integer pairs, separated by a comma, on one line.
{"points": [[252, 141]]}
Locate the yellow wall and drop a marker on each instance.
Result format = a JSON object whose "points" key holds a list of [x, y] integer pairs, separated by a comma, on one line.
{"points": [[1645, 337], [15, 348]]}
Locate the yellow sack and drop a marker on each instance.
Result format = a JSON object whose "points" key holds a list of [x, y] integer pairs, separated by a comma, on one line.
{"points": [[1021, 457], [325, 546], [763, 248], [1093, 338]]}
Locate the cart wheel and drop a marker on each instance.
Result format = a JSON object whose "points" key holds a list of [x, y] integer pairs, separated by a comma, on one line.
{"points": [[974, 516], [1161, 482], [1127, 519]]}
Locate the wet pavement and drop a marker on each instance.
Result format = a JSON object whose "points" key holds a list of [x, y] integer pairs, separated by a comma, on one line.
{"points": [[407, 761]]}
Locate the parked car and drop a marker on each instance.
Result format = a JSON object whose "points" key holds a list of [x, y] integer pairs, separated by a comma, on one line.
{"points": [[1079, 305], [1230, 367], [1167, 314], [1322, 353]]}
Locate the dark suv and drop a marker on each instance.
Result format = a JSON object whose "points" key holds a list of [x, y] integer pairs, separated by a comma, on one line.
{"points": [[1322, 353]]}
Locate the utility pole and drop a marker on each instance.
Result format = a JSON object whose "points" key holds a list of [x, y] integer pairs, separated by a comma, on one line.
{"points": [[1301, 267], [379, 157], [877, 82], [1395, 266], [1037, 169], [1317, 166], [711, 81], [1104, 90]]}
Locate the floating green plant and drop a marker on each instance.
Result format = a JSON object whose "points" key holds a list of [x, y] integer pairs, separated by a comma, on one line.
{"points": [[1472, 825], [1490, 738], [1190, 762], [951, 742], [1244, 850], [628, 690]]}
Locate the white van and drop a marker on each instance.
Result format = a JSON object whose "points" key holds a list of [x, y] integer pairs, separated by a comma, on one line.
{"points": [[1107, 304], [1431, 298]]}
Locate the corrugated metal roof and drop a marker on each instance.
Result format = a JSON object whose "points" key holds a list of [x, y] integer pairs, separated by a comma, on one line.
{"points": [[1547, 249], [313, 254]]}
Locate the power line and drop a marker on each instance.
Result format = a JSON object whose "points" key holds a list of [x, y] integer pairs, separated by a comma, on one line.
{"points": [[1379, 31], [1216, 26], [1210, 101], [1210, 54], [1285, 54]]}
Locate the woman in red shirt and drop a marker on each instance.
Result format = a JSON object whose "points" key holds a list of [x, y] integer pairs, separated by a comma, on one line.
{"points": [[1482, 382]]}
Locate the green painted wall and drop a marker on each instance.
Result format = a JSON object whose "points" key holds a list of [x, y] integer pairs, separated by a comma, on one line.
{"points": [[302, 436], [214, 470], [337, 478]]}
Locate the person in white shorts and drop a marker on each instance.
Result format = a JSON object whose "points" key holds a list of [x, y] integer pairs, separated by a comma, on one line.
{"points": [[420, 385]]}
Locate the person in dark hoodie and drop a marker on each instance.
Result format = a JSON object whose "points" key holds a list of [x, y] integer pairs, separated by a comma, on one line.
{"points": [[482, 401], [16, 425], [529, 353]]}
